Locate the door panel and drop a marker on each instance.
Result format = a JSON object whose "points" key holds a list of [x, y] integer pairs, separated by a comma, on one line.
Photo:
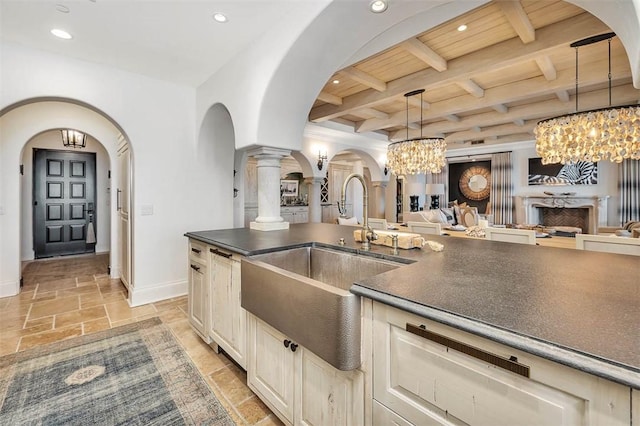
{"points": [[64, 194]]}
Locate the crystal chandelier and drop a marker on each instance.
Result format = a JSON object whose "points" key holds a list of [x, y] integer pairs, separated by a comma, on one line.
{"points": [[611, 133], [419, 155]]}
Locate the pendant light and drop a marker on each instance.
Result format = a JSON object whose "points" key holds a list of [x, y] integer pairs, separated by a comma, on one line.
{"points": [[611, 133], [419, 155]]}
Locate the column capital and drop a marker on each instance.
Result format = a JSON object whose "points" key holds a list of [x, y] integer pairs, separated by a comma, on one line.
{"points": [[380, 183], [267, 152], [313, 180]]}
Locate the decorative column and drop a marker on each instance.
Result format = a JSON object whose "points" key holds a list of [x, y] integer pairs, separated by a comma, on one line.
{"points": [[268, 170], [377, 202], [315, 208]]}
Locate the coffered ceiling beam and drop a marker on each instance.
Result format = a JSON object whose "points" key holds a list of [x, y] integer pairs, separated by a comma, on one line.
{"points": [[501, 108], [364, 78], [563, 95], [502, 55], [471, 87], [329, 98], [512, 92], [373, 112], [425, 54], [546, 66], [518, 19], [518, 122], [452, 117], [624, 94]]}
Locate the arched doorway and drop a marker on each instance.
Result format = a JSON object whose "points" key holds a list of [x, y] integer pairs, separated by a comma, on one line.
{"points": [[35, 123]]}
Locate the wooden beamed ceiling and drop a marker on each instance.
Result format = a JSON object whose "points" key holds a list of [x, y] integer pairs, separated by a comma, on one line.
{"points": [[512, 67]]}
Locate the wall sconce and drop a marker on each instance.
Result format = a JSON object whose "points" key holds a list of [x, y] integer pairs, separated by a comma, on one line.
{"points": [[321, 159], [386, 169]]}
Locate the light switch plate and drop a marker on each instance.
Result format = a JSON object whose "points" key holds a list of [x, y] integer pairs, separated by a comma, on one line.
{"points": [[146, 209]]}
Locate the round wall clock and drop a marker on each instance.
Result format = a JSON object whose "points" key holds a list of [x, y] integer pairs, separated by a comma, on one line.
{"points": [[475, 183]]}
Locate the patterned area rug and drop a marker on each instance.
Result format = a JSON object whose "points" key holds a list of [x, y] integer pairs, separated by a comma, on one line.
{"points": [[135, 374]]}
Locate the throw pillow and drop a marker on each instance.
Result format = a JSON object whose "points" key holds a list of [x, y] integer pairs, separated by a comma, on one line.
{"points": [[436, 216], [347, 221], [448, 212]]}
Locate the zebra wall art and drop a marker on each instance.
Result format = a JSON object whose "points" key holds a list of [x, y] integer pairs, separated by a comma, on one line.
{"points": [[579, 173]]}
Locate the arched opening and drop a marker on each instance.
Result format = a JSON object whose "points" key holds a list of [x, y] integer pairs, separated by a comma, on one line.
{"points": [[215, 153], [35, 124]]}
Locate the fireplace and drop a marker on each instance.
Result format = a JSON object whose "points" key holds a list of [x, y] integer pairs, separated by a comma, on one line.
{"points": [[587, 213], [576, 218]]}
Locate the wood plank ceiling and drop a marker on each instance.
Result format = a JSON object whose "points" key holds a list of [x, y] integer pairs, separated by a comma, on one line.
{"points": [[490, 84]]}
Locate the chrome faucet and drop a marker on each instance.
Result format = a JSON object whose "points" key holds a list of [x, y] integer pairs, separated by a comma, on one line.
{"points": [[367, 233]]}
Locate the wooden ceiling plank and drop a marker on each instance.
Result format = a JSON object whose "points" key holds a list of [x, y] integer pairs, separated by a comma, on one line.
{"points": [[452, 118], [518, 19], [519, 122], [364, 78], [471, 87], [329, 98], [546, 66], [373, 112], [551, 38], [623, 94], [424, 53], [507, 93]]}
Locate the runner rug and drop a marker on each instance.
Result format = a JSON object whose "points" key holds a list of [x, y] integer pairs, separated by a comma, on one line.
{"points": [[134, 374]]}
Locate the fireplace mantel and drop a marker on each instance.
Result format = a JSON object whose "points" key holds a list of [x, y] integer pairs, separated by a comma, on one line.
{"points": [[597, 206]]}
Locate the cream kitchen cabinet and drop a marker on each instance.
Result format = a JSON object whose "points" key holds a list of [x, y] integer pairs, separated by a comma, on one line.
{"points": [[214, 299], [428, 373], [299, 387], [198, 296], [227, 324], [295, 214]]}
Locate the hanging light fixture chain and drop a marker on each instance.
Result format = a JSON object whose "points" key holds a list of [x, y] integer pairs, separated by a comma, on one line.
{"points": [[576, 78], [609, 72]]}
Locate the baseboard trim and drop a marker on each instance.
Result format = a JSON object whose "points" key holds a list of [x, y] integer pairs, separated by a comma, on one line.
{"points": [[11, 288], [142, 296]]}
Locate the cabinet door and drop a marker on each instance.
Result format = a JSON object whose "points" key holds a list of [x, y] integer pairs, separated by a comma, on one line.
{"points": [[270, 370], [122, 206], [327, 396], [228, 318], [197, 298], [424, 381]]}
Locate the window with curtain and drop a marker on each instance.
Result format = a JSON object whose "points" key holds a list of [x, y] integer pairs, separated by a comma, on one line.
{"points": [[629, 189]]}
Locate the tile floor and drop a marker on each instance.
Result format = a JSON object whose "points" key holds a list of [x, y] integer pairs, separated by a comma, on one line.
{"points": [[72, 296]]}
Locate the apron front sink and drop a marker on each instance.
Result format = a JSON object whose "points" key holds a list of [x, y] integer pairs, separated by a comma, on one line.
{"points": [[304, 293]]}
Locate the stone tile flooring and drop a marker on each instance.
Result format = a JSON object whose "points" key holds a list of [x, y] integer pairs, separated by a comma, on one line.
{"points": [[72, 296]]}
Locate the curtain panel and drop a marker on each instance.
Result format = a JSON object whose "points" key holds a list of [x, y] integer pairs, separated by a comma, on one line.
{"points": [[501, 197], [629, 190]]}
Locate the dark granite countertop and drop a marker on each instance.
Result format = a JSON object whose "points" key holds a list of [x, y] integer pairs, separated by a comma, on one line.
{"points": [[579, 308]]}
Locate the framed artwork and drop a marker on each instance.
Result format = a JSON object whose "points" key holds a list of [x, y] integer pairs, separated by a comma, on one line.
{"points": [[579, 173], [288, 188]]}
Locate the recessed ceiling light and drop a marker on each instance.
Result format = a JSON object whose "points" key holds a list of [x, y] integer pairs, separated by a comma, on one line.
{"points": [[462, 27], [220, 17], [378, 6], [62, 8], [61, 34], [336, 81]]}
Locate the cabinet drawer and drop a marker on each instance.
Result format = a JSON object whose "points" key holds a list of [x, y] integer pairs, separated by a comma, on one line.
{"points": [[382, 416], [446, 380], [197, 251]]}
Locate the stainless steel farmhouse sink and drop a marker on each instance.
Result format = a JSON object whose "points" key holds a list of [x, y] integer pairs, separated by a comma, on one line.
{"points": [[304, 293]]}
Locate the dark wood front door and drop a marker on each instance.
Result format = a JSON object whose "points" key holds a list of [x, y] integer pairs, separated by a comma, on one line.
{"points": [[64, 199]]}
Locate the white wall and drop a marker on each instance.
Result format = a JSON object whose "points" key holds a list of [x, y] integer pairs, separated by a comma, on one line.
{"points": [[157, 118], [52, 140]]}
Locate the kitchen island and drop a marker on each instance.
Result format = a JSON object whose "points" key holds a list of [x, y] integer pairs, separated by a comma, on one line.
{"points": [[576, 308]]}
